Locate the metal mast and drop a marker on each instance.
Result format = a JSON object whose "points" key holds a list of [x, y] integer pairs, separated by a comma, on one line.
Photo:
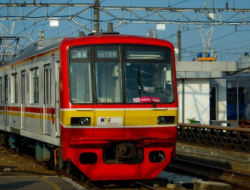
{"points": [[179, 43], [8, 43], [96, 15], [206, 35]]}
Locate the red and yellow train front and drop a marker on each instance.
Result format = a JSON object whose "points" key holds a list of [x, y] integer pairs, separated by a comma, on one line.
{"points": [[119, 106]]}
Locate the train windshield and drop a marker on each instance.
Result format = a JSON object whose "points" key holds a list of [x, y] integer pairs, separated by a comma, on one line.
{"points": [[107, 73], [148, 74], [80, 75]]}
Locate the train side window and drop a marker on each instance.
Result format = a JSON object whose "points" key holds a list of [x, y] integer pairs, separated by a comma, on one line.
{"points": [[34, 85], [1, 91], [23, 77], [14, 88], [47, 84], [6, 87]]}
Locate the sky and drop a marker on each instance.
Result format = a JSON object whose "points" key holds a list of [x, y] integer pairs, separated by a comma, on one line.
{"points": [[229, 41]]}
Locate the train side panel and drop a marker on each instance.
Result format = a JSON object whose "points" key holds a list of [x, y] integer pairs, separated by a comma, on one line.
{"points": [[29, 89]]}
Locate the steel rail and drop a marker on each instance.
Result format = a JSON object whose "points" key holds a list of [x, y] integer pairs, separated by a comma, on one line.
{"points": [[144, 186], [236, 179]]}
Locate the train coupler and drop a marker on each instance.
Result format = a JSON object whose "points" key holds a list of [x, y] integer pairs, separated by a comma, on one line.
{"points": [[125, 150], [123, 153]]}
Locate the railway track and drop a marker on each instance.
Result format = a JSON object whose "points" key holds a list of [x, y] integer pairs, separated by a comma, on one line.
{"points": [[124, 185], [238, 181], [79, 178]]}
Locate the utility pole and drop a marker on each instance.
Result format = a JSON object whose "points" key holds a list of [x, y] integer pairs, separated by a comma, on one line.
{"points": [[179, 44], [96, 15]]}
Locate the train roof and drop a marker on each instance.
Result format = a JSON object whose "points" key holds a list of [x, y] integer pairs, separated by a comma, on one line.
{"points": [[36, 48], [52, 43], [116, 39], [41, 45]]}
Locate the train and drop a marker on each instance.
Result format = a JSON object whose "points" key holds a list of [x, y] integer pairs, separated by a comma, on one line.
{"points": [[104, 104]]}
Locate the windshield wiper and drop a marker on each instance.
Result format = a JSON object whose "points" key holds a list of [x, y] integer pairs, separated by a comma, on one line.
{"points": [[141, 86], [142, 71]]}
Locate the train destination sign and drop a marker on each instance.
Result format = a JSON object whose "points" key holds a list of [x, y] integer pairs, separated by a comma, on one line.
{"points": [[79, 54], [145, 55], [107, 54]]}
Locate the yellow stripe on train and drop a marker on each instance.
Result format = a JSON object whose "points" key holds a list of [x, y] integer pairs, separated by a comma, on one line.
{"points": [[28, 115], [132, 117]]}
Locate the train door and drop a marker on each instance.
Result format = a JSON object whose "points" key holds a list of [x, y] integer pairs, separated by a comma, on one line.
{"points": [[1, 103], [23, 100], [109, 110], [6, 85], [57, 98], [48, 111]]}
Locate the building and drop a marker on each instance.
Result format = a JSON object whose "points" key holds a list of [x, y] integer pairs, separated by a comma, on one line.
{"points": [[202, 90], [238, 91]]}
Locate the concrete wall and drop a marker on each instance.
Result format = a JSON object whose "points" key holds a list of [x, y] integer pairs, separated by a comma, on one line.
{"points": [[195, 102], [205, 66], [218, 157], [221, 97], [180, 100]]}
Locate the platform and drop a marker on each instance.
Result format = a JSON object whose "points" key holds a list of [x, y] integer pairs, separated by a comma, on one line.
{"points": [[38, 183], [227, 159]]}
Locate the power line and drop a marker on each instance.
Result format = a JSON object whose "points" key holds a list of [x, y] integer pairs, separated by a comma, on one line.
{"points": [[128, 15], [6, 48]]}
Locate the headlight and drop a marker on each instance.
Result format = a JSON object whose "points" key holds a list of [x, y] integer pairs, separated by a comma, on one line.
{"points": [[80, 120], [166, 119]]}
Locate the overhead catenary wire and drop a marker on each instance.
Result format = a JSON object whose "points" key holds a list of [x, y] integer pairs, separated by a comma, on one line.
{"points": [[30, 27], [219, 38], [66, 27]]}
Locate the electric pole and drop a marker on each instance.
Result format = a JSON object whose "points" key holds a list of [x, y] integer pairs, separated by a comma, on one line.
{"points": [[179, 44], [96, 15]]}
